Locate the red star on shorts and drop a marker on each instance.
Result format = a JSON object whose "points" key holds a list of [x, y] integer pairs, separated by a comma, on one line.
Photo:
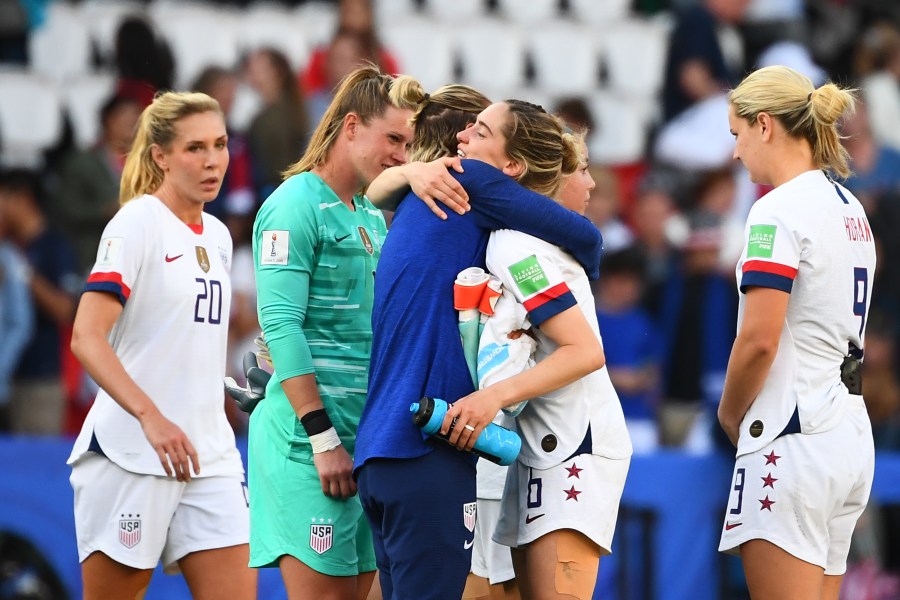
{"points": [[574, 471], [769, 481], [772, 458], [766, 504], [572, 494]]}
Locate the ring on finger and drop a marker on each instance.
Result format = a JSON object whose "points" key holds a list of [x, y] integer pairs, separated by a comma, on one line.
{"points": [[469, 427]]}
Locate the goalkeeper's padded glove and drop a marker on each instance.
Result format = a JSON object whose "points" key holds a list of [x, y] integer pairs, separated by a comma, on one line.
{"points": [[247, 398], [263, 351]]}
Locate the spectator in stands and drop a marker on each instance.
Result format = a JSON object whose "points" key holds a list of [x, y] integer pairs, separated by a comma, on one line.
{"points": [[16, 317], [280, 130], [698, 310], [144, 63], [355, 21], [697, 64], [346, 51], [39, 400], [87, 188], [633, 348], [603, 210], [878, 64], [655, 210]]}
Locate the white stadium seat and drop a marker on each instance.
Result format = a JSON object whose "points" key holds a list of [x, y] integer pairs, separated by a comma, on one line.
{"points": [[599, 12], [61, 47], [30, 118], [565, 59], [274, 27], [635, 56], [386, 11], [492, 53], [423, 48], [83, 99], [533, 12], [198, 39], [456, 11], [318, 20], [620, 134]]}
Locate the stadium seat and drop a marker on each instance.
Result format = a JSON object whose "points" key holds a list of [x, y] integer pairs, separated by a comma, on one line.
{"points": [[103, 18], [635, 56], [599, 12], [247, 103], [620, 134], [318, 20], [198, 38], [565, 59], [276, 27], [30, 118], [529, 13], [61, 47], [83, 98], [424, 49], [445, 11], [386, 11], [492, 54]]}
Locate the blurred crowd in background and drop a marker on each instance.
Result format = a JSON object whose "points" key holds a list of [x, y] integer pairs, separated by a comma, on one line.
{"points": [[647, 78]]}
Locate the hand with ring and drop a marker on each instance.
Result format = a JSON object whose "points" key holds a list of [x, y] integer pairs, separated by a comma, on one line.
{"points": [[475, 410]]}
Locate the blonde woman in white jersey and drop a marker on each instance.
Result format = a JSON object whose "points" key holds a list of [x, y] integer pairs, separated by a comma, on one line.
{"points": [[155, 470], [792, 402]]}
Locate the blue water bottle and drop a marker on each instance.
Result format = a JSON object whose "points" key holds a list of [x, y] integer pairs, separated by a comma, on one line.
{"points": [[496, 444]]}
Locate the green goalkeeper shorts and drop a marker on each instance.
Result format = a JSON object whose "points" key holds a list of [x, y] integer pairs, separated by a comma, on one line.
{"points": [[290, 515]]}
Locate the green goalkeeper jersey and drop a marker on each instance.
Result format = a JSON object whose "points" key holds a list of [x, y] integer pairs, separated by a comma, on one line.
{"points": [[315, 264]]}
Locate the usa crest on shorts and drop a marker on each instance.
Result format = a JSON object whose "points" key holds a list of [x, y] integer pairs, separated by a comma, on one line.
{"points": [[320, 537], [130, 530], [469, 515]]}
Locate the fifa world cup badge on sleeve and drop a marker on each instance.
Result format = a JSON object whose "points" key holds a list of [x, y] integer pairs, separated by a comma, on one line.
{"points": [[273, 250], [202, 258], [108, 251]]}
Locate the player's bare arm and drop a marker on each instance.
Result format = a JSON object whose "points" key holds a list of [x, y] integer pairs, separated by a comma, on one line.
{"points": [[752, 355], [97, 313]]}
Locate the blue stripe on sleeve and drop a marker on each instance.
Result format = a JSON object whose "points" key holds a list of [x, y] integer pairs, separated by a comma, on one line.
{"points": [[105, 286], [766, 280], [551, 308]]}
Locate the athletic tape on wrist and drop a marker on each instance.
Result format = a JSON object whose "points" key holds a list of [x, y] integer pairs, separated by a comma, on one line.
{"points": [[325, 441]]}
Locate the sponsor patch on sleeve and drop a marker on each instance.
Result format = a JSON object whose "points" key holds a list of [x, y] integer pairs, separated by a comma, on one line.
{"points": [[762, 241], [528, 276], [274, 247], [109, 250]]}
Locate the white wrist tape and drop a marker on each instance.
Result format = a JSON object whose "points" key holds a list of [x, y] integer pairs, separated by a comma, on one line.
{"points": [[325, 441]]}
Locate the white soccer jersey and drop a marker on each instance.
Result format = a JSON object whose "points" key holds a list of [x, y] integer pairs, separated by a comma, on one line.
{"points": [[174, 283], [548, 281], [808, 237]]}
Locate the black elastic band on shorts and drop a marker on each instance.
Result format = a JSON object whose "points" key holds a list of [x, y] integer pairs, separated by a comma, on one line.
{"points": [[316, 422]]}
